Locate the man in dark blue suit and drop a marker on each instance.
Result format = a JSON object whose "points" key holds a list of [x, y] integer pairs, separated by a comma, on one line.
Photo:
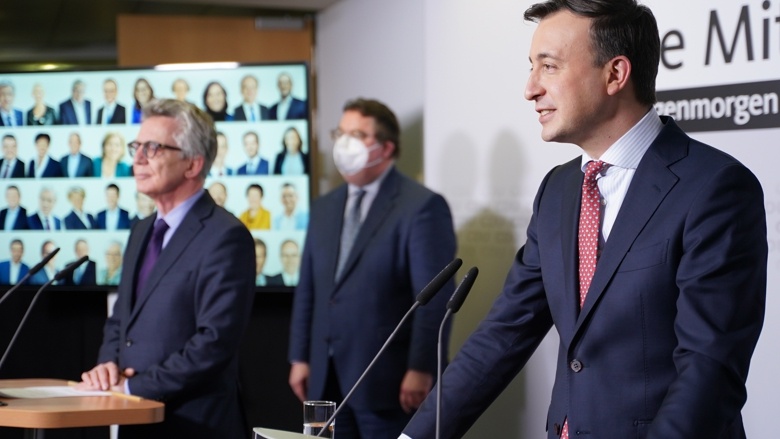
{"points": [[75, 164], [76, 110], [255, 165], [77, 219], [50, 269], [44, 219], [648, 253], [173, 335], [43, 166], [288, 107], [361, 272], [113, 217], [250, 110], [10, 165], [112, 112], [13, 216], [13, 270], [86, 273], [9, 116]]}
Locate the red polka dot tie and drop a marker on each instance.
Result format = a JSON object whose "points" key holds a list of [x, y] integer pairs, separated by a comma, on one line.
{"points": [[588, 237]]}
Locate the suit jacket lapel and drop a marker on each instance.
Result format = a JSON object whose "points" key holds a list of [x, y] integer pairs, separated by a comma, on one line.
{"points": [[569, 226], [181, 239], [650, 185]]}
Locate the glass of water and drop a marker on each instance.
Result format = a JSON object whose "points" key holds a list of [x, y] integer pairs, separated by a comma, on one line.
{"points": [[315, 415]]}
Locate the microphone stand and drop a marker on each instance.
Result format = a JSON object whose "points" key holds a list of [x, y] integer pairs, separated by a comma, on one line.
{"points": [[453, 306], [29, 274]]}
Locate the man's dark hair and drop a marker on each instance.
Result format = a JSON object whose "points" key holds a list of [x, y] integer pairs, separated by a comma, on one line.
{"points": [[255, 186], [387, 127], [619, 27], [43, 136]]}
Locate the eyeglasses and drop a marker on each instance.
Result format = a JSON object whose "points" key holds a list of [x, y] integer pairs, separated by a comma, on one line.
{"points": [[360, 135], [149, 148]]}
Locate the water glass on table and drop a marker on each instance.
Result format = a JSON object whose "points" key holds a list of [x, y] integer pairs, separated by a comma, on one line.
{"points": [[315, 415]]}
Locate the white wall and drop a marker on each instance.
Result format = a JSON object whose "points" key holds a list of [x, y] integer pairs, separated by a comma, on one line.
{"points": [[460, 66]]}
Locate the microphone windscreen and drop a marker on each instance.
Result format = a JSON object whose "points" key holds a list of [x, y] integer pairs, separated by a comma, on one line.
{"points": [[459, 296], [45, 260], [70, 268], [437, 282]]}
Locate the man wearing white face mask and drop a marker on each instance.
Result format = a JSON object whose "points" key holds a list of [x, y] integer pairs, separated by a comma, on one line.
{"points": [[372, 245]]}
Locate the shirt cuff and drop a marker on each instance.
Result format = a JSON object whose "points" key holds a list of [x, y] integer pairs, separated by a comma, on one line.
{"points": [[127, 387]]}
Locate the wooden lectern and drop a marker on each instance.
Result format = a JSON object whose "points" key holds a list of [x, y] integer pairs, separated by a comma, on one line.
{"points": [[80, 411]]}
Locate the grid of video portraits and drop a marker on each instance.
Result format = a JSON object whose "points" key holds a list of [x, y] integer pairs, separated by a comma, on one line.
{"points": [[66, 173]]}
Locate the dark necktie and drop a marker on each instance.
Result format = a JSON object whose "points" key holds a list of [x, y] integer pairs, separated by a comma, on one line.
{"points": [[46, 224], [349, 231], [153, 249], [588, 237], [6, 168]]}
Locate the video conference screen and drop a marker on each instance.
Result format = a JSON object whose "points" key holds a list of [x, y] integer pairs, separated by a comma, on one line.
{"points": [[66, 173]]}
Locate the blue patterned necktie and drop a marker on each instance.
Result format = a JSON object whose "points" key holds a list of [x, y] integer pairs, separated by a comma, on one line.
{"points": [[349, 231]]}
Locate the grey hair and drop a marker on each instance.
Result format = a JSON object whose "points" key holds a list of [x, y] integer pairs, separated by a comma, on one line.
{"points": [[196, 134]]}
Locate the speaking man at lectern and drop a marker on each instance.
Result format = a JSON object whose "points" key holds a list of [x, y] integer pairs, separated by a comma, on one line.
{"points": [[372, 245], [648, 253], [186, 289]]}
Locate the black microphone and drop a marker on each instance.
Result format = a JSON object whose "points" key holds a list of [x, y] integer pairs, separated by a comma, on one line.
{"points": [[64, 272], [424, 297], [453, 306], [30, 273]]}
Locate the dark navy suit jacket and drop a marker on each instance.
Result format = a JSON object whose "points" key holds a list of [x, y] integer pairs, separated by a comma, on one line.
{"points": [[297, 110], [73, 222], [68, 113], [34, 223], [261, 169], [21, 219], [124, 220], [405, 240], [89, 277], [5, 272], [85, 168], [662, 345], [17, 171], [17, 115], [183, 332], [53, 169], [238, 113], [117, 117]]}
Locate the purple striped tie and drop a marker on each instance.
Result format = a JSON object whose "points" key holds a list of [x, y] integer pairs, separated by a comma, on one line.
{"points": [[153, 249]]}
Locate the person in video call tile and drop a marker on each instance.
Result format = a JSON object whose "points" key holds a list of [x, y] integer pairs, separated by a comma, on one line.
{"points": [[50, 269], [113, 217], [43, 166], [9, 116], [13, 216], [10, 165], [174, 334], [218, 192], [292, 218], [215, 102], [261, 280], [142, 94], [255, 165], [43, 219], [144, 207], [250, 110], [12, 270], [86, 273], [77, 110], [112, 274], [110, 163], [77, 219], [288, 107], [40, 113], [111, 112], [291, 160], [75, 164], [255, 217], [290, 256], [180, 89], [218, 169]]}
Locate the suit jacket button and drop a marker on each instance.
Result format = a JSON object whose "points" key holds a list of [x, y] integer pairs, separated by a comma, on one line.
{"points": [[129, 342], [575, 365]]}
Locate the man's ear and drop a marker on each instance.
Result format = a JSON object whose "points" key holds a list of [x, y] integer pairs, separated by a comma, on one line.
{"points": [[618, 74]]}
